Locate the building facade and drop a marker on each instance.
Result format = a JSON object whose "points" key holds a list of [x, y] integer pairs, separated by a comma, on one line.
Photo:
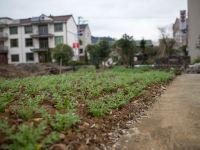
{"points": [[30, 40], [194, 28], [180, 30], [85, 38]]}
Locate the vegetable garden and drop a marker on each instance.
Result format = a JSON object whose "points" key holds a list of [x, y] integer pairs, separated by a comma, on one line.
{"points": [[34, 111]]}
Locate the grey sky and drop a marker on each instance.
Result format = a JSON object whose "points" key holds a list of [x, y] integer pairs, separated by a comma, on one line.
{"points": [[139, 18]]}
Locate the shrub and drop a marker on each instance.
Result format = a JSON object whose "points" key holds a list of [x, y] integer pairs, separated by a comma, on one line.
{"points": [[77, 63], [197, 60], [63, 52]]}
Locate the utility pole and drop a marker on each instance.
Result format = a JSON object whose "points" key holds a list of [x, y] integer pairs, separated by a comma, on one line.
{"points": [[81, 20]]}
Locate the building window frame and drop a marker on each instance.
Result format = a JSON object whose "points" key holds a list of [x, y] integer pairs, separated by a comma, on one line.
{"points": [[15, 57], [28, 29], [44, 43], [43, 29], [58, 27], [29, 57], [14, 43], [29, 42], [81, 51], [59, 40], [13, 30]]}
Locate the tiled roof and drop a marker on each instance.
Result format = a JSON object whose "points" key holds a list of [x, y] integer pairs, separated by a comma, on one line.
{"points": [[23, 21], [61, 18], [55, 18], [6, 18]]}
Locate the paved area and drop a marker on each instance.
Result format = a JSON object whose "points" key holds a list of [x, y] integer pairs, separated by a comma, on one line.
{"points": [[174, 121]]}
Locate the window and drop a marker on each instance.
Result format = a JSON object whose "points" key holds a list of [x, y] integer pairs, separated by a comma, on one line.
{"points": [[80, 51], [28, 29], [13, 30], [43, 29], [58, 40], [80, 42], [58, 27], [1, 43], [29, 57], [15, 58], [14, 43], [29, 42], [44, 43]]}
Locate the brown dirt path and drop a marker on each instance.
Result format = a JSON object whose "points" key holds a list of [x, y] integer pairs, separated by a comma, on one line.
{"points": [[174, 121]]}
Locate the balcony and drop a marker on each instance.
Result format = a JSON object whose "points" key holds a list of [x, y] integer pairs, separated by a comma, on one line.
{"points": [[42, 32], [3, 49], [3, 36], [39, 49], [42, 35]]}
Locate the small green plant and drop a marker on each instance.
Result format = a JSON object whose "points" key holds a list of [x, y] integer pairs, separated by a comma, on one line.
{"points": [[27, 137], [62, 122], [5, 99], [98, 108], [27, 108], [62, 102], [50, 138], [99, 92]]}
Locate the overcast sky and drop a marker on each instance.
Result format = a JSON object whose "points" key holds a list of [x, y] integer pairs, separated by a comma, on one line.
{"points": [[139, 18]]}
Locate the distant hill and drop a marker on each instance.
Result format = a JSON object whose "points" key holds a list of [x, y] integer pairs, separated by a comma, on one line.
{"points": [[97, 39]]}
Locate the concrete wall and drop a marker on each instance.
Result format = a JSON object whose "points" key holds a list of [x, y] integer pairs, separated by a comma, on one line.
{"points": [[194, 28], [21, 50], [86, 39], [72, 36]]}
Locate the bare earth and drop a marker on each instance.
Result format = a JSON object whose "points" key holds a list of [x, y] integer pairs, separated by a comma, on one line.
{"points": [[174, 121]]}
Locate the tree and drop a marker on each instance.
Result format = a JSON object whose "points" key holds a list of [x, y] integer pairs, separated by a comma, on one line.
{"points": [[143, 50], [86, 56], [127, 48], [166, 43], [63, 53], [184, 50], [104, 50], [98, 52], [94, 55]]}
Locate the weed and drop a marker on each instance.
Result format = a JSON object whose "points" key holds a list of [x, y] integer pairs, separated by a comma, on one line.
{"points": [[27, 108], [62, 122], [5, 100], [27, 137]]}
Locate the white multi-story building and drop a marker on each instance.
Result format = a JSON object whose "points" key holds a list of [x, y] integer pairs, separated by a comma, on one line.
{"points": [[85, 38], [30, 40], [180, 30], [194, 28]]}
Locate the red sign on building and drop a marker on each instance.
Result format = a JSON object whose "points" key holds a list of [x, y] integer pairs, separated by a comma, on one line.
{"points": [[76, 45]]}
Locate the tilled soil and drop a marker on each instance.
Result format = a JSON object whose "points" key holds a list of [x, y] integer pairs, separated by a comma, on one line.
{"points": [[102, 133], [26, 70]]}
